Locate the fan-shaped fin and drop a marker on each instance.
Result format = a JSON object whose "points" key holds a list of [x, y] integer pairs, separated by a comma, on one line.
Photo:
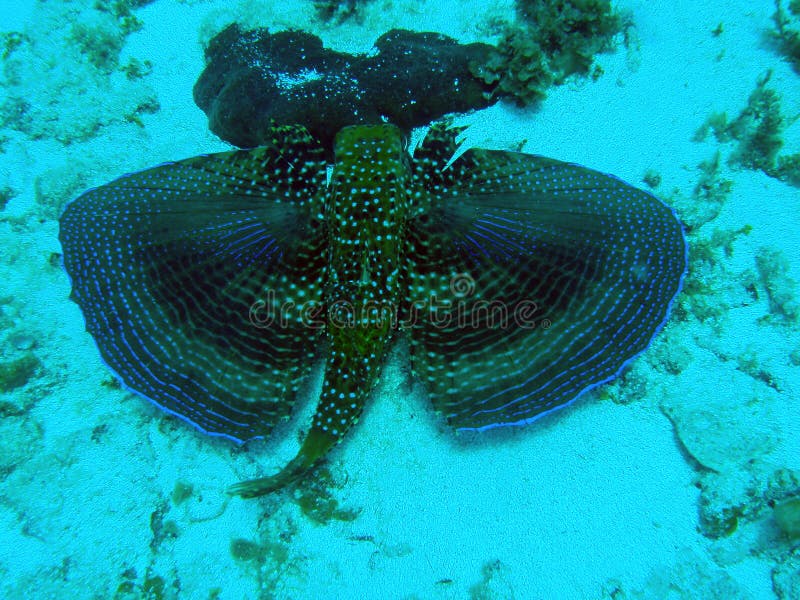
{"points": [[181, 272], [556, 275]]}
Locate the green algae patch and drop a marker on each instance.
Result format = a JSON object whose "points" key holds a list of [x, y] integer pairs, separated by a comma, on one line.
{"points": [[517, 67], [315, 500], [652, 179], [17, 372], [127, 587], [757, 131], [151, 587], [162, 529], [136, 69], [247, 551], [494, 582], [727, 525], [788, 169], [552, 40], [710, 193], [787, 517], [181, 493], [787, 32], [101, 43], [710, 250], [10, 41], [269, 560]]}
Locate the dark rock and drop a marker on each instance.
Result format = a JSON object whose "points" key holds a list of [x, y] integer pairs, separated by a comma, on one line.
{"points": [[254, 80]]}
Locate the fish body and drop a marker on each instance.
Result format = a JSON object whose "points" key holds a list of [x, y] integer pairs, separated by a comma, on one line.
{"points": [[211, 285], [365, 219]]}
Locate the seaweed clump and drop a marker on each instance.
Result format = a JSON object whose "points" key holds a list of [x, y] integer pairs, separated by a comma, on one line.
{"points": [[758, 130], [787, 169], [151, 587], [315, 500], [788, 32], [269, 560], [553, 40]]}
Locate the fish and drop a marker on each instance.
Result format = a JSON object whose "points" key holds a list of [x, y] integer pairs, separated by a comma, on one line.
{"points": [[212, 285]]}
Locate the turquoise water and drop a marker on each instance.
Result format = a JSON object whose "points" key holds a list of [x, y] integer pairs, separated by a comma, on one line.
{"points": [[679, 479]]}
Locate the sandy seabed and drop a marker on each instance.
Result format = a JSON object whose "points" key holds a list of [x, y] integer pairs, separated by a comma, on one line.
{"points": [[660, 485]]}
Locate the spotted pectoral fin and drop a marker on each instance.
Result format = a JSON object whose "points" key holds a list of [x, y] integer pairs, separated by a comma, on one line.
{"points": [[181, 271], [556, 277]]}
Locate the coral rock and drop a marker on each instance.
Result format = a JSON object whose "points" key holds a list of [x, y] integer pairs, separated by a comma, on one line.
{"points": [[254, 79]]}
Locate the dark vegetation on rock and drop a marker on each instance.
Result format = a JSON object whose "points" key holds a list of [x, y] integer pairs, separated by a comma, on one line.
{"points": [[256, 79], [551, 41]]}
